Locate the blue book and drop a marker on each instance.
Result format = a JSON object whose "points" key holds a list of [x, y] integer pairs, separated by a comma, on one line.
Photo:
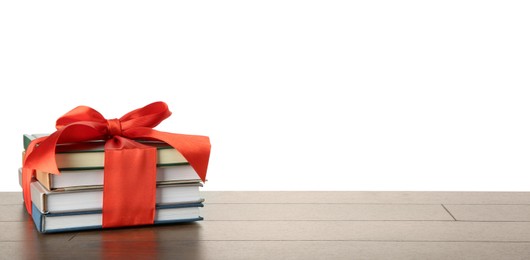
{"points": [[86, 220]]}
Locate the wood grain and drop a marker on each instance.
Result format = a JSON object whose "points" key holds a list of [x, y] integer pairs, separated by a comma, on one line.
{"points": [[490, 212], [319, 211], [258, 250], [367, 197]]}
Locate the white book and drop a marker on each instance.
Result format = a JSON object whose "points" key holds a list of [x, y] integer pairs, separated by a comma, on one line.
{"points": [[74, 179], [47, 201]]}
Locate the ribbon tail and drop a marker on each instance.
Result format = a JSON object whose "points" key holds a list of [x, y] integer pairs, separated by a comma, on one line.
{"points": [[28, 173], [195, 148], [27, 176]]}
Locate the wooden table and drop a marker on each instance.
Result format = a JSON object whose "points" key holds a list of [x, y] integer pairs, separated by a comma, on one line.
{"points": [[300, 225]]}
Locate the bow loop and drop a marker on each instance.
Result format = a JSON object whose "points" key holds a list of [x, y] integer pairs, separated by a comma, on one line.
{"points": [[79, 114], [148, 116]]}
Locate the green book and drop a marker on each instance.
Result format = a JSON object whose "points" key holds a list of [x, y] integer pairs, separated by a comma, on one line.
{"points": [[91, 155]]}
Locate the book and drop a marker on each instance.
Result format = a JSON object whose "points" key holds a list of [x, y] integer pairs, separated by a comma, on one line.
{"points": [[74, 179], [91, 154], [73, 221], [92, 199]]}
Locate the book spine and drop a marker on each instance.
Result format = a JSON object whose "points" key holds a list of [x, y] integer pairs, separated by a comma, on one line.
{"points": [[37, 218], [27, 140]]}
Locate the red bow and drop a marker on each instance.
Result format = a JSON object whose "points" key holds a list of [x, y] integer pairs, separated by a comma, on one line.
{"points": [[130, 167]]}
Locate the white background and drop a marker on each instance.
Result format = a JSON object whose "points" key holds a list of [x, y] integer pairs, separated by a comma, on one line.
{"points": [[295, 95]]}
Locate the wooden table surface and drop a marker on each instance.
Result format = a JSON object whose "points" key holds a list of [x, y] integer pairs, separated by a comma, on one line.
{"points": [[299, 225]]}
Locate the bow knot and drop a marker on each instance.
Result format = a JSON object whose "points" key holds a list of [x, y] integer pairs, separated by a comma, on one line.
{"points": [[114, 127]]}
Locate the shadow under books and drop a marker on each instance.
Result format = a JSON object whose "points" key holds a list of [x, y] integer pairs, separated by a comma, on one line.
{"points": [[155, 242]]}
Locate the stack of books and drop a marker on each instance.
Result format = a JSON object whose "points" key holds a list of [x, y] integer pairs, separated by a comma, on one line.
{"points": [[73, 200]]}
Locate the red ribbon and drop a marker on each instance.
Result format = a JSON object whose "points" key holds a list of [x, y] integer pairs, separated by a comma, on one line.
{"points": [[129, 191]]}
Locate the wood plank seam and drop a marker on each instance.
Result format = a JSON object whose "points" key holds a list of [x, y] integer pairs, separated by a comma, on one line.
{"points": [[448, 212]]}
